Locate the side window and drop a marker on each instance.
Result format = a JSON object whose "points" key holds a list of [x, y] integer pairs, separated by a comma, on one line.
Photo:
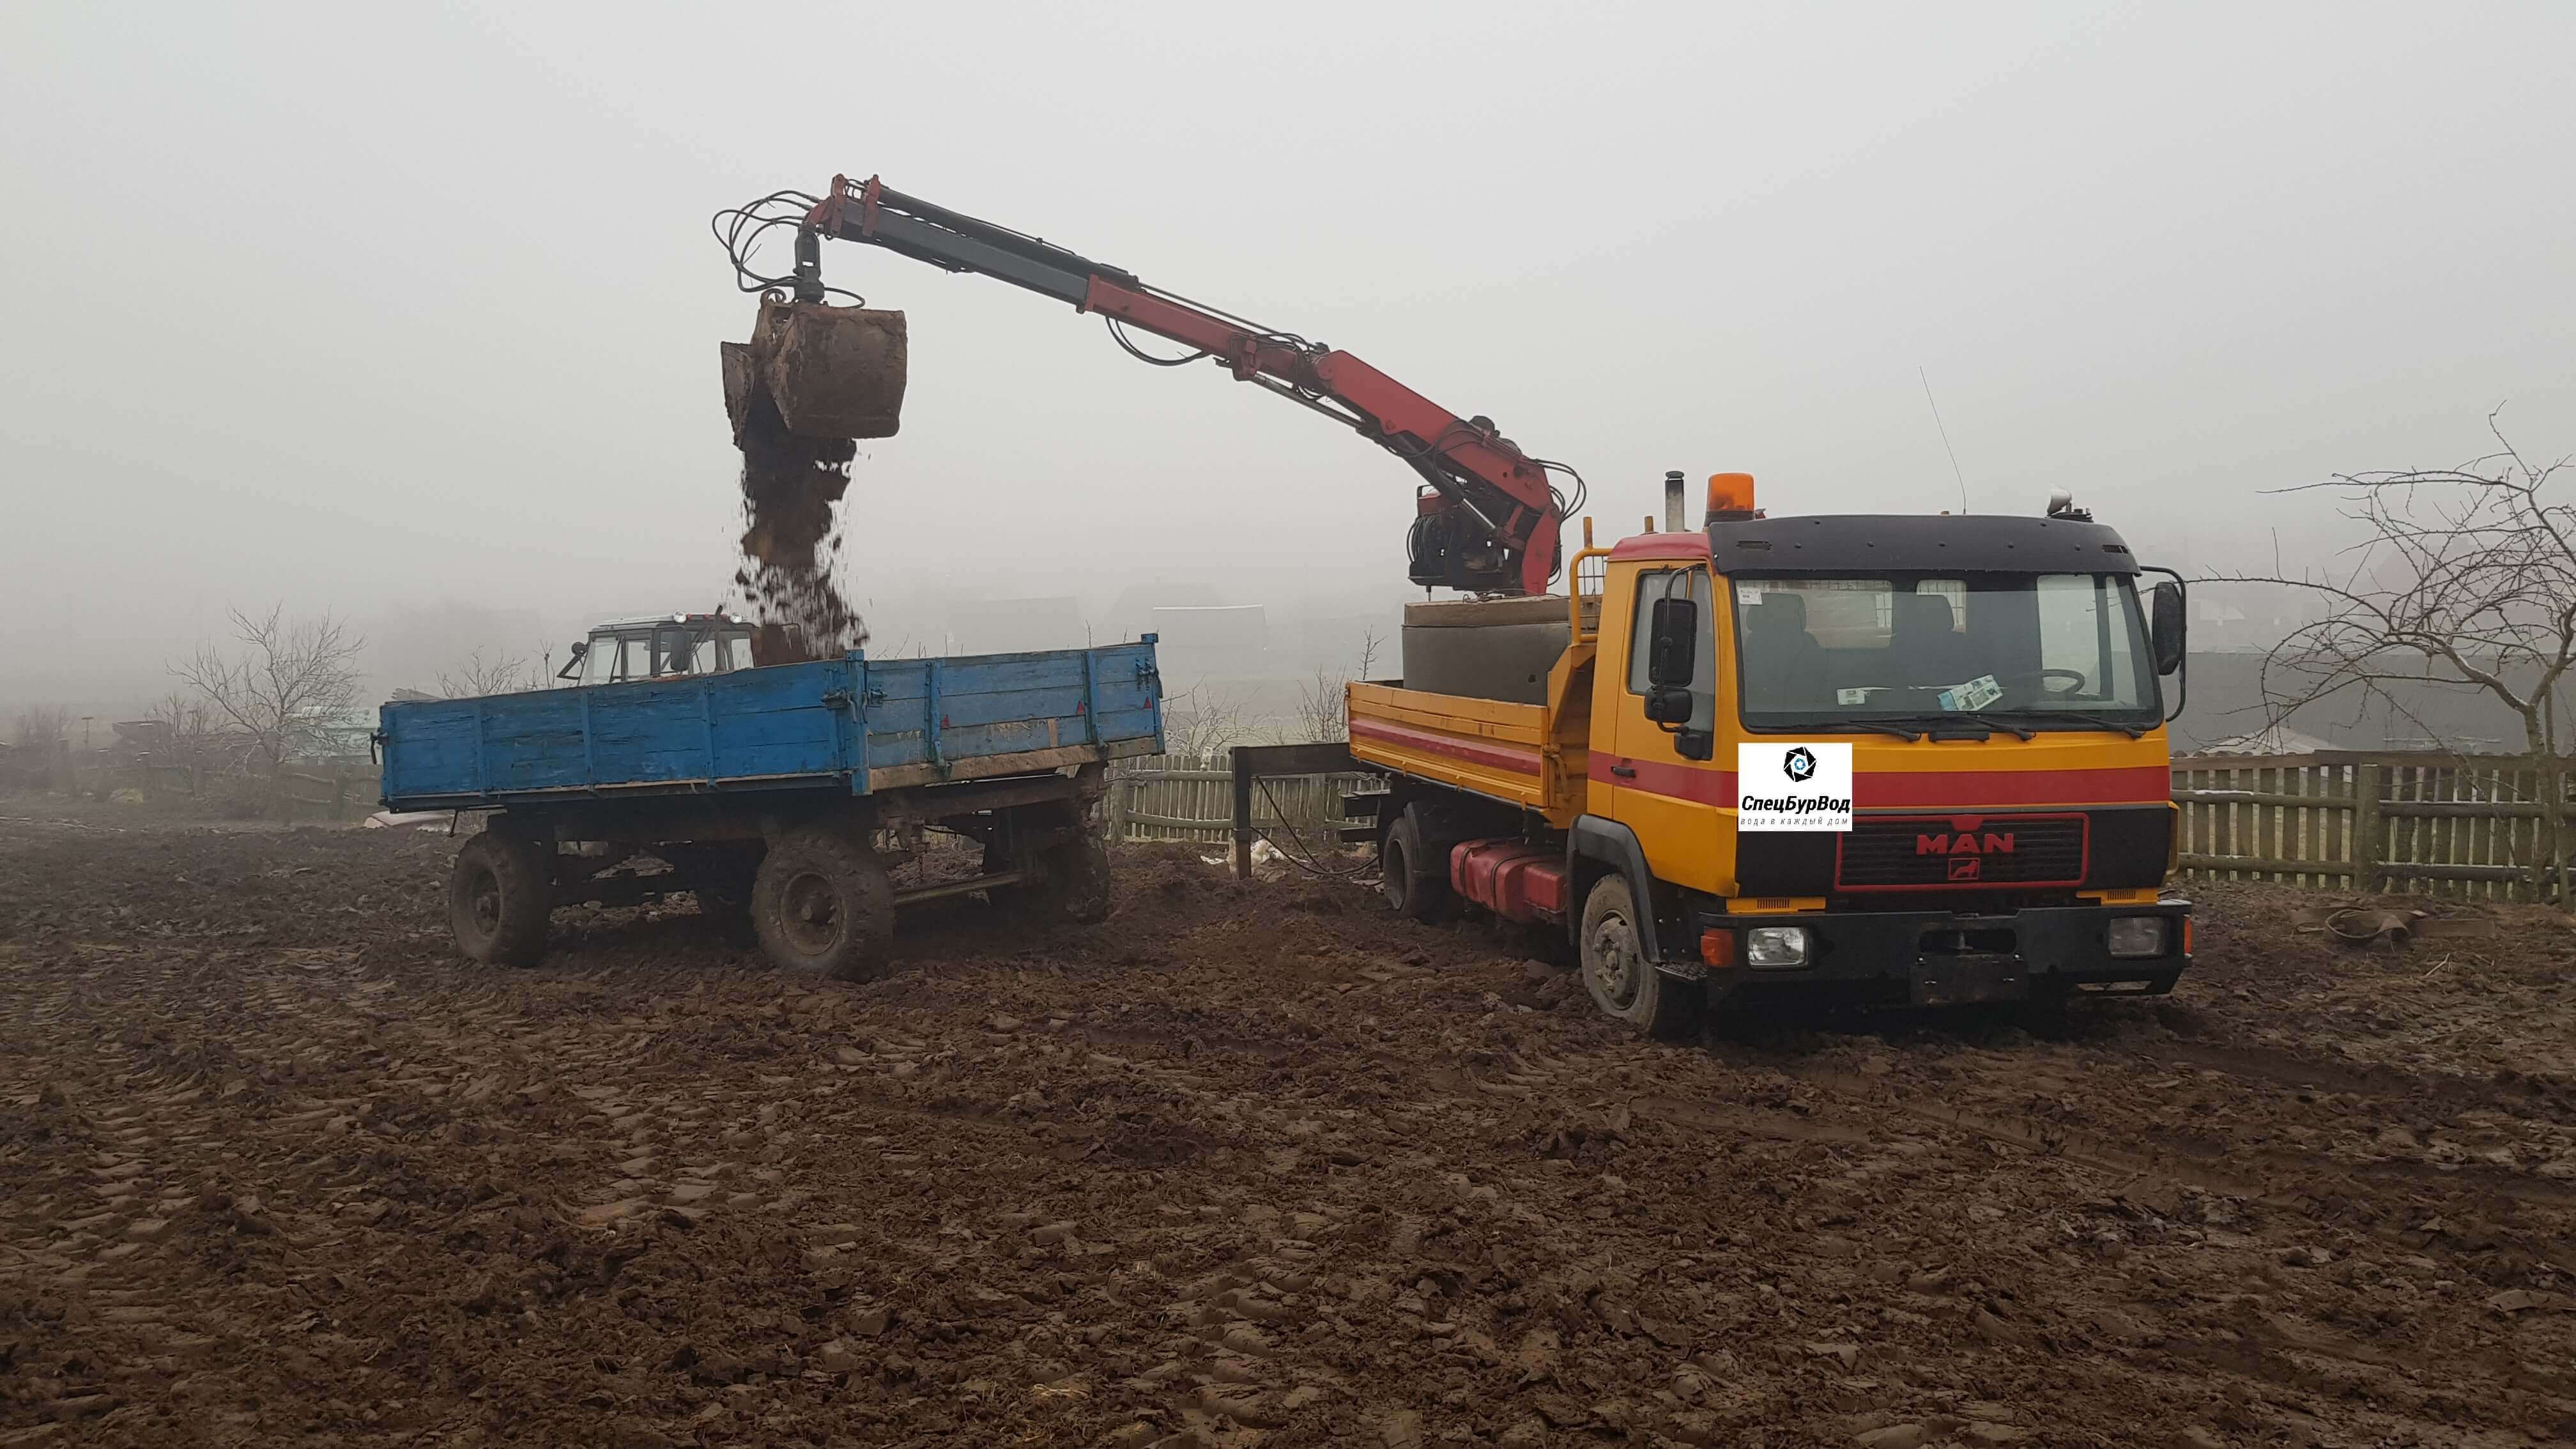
{"points": [[635, 657], [599, 662], [1691, 584], [1650, 587]]}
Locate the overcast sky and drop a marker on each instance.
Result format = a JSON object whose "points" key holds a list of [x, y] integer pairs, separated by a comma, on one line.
{"points": [[367, 306]]}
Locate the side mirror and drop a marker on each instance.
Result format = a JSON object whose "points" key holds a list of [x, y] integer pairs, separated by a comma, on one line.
{"points": [[1668, 706], [2165, 626], [580, 647], [1671, 654]]}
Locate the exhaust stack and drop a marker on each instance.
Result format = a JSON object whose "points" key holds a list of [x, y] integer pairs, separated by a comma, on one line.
{"points": [[1673, 501]]}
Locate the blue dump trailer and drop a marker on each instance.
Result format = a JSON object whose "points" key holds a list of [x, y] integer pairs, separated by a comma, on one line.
{"points": [[784, 798]]}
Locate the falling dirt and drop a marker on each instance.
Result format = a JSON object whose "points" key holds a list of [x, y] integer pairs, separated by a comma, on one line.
{"points": [[1250, 1163], [791, 490]]}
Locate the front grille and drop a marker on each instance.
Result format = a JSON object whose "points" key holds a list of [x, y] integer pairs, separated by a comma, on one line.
{"points": [[1961, 852]]}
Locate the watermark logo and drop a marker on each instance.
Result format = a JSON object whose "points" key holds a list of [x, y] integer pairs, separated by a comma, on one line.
{"points": [[1817, 794]]}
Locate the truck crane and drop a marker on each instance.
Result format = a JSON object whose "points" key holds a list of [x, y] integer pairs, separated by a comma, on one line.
{"points": [[1487, 516]]}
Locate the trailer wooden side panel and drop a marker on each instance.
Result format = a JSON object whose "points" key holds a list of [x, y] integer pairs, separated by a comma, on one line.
{"points": [[853, 724]]}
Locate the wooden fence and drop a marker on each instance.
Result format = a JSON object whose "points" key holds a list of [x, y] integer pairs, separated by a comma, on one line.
{"points": [[2410, 823], [2414, 823], [1174, 797]]}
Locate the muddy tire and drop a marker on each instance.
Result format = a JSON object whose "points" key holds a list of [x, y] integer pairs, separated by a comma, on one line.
{"points": [[1623, 982], [823, 905], [1413, 872], [500, 895]]}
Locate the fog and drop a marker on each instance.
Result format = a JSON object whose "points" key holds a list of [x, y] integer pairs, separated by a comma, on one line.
{"points": [[411, 315]]}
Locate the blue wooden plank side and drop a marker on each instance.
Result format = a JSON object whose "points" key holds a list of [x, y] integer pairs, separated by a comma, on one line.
{"points": [[788, 720]]}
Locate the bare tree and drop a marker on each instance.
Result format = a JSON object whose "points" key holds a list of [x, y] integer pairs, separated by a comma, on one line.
{"points": [[2466, 581], [188, 737], [1321, 709], [281, 682], [41, 726], [1199, 723], [42, 757], [478, 676]]}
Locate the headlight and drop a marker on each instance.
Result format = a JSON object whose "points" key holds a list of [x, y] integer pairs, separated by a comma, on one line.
{"points": [[1775, 947], [2133, 937]]}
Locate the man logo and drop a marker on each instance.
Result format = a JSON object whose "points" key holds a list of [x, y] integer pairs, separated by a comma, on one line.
{"points": [[1801, 764]]}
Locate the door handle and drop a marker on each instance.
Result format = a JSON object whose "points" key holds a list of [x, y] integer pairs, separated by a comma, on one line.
{"points": [[1624, 772]]}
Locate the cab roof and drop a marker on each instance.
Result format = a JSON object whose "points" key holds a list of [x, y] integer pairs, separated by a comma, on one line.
{"points": [[647, 621], [1895, 543]]}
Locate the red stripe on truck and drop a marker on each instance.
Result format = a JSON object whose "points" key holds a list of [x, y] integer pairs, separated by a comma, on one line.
{"points": [[1891, 789], [1518, 759]]}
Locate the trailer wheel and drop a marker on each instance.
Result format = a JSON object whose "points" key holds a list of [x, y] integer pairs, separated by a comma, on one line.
{"points": [[823, 904], [1412, 873], [500, 894], [1623, 983]]}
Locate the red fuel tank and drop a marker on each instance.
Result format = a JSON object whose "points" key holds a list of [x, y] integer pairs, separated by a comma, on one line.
{"points": [[1511, 878]]}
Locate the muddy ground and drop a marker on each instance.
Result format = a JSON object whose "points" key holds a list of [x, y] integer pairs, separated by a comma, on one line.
{"points": [[1247, 1164]]}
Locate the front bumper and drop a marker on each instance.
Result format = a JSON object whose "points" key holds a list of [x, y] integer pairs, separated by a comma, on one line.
{"points": [[1933, 958]]}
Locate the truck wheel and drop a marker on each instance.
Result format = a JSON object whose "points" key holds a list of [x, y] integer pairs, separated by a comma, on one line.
{"points": [[822, 903], [1413, 874], [500, 894], [1623, 983]]}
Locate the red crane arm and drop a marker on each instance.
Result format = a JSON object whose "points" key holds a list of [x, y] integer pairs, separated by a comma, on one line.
{"points": [[1491, 519]]}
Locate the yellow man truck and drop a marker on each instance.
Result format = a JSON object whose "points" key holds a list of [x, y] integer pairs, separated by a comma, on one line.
{"points": [[1888, 759]]}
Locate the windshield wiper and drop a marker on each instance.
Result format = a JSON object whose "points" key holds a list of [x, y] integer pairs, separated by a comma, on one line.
{"points": [[1987, 721], [1880, 726], [2133, 731]]}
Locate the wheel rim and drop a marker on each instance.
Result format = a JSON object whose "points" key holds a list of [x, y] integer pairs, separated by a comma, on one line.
{"points": [[483, 900], [1613, 963], [810, 913]]}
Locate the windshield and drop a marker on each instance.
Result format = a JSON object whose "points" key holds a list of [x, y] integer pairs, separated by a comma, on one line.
{"points": [[1908, 646]]}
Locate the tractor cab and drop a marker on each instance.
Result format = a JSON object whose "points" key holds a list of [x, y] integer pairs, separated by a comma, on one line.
{"points": [[660, 646]]}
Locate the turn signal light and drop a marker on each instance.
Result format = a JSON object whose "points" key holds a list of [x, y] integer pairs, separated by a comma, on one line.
{"points": [[1730, 495], [1717, 946]]}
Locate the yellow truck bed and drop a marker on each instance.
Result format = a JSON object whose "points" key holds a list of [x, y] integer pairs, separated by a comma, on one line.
{"points": [[1493, 748]]}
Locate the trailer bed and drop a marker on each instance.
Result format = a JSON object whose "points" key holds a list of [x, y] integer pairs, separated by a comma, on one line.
{"points": [[854, 724]]}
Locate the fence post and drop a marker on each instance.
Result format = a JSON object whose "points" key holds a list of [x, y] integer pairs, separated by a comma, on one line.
{"points": [[1122, 791], [1242, 765], [2365, 829]]}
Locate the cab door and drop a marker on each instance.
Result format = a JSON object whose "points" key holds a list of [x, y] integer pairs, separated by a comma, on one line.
{"points": [[1680, 807]]}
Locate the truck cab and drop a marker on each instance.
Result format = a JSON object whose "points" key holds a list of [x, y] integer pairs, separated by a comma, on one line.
{"points": [[658, 646], [1889, 759]]}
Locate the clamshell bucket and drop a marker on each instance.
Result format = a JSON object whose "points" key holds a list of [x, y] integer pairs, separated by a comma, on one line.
{"points": [[831, 372]]}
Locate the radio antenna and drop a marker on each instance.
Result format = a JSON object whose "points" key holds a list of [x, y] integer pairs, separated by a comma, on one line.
{"points": [[1945, 439]]}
